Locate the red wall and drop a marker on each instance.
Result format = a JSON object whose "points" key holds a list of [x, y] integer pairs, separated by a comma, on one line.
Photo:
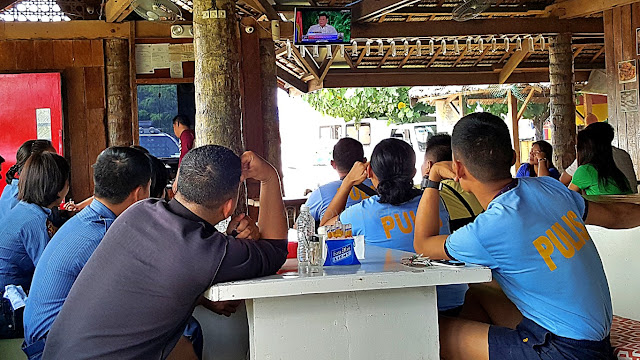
{"points": [[20, 96]]}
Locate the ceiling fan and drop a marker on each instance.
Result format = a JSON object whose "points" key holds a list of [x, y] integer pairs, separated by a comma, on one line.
{"points": [[470, 9], [164, 11]]}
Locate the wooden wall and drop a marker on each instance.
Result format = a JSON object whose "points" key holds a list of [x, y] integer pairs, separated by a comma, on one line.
{"points": [[81, 63], [620, 44]]}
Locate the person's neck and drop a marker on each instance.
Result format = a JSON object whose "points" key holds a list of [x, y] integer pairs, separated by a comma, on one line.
{"points": [[486, 192], [116, 209], [342, 174], [205, 214], [182, 129]]}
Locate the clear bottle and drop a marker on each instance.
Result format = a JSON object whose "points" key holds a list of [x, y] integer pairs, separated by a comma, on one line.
{"points": [[306, 228]]}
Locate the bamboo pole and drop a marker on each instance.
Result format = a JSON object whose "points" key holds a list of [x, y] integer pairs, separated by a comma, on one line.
{"points": [[118, 84]]}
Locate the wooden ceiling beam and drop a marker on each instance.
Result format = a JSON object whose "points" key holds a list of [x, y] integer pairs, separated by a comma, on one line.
{"points": [[369, 9], [264, 7], [307, 63], [514, 61], [384, 59], [578, 51], [291, 80], [570, 9], [529, 9], [362, 54], [434, 57], [339, 78], [476, 27], [324, 69], [462, 55], [412, 49], [64, 30], [597, 55], [117, 10], [484, 53]]}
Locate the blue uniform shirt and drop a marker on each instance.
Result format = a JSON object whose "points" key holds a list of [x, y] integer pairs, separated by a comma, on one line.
{"points": [[392, 226], [9, 198], [59, 266], [534, 239], [23, 237], [525, 170], [321, 197]]}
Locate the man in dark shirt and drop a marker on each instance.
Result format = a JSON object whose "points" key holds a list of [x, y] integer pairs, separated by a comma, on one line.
{"points": [[182, 129], [136, 293]]}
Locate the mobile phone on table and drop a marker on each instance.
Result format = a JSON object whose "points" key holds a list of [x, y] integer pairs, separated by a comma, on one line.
{"points": [[451, 263]]}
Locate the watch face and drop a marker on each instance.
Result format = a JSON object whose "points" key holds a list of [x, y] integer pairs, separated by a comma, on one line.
{"points": [[425, 181]]}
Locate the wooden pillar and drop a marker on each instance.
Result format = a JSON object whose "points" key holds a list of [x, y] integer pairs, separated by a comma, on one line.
{"points": [[588, 104], [562, 104], [271, 121], [119, 114], [217, 90], [512, 118]]}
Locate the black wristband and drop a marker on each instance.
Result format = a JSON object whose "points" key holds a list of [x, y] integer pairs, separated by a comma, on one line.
{"points": [[433, 185]]}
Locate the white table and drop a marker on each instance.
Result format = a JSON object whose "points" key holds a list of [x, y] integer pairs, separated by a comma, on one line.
{"points": [[378, 310]]}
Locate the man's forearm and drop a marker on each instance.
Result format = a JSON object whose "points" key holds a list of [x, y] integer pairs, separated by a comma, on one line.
{"points": [[337, 205], [543, 169], [272, 219], [427, 219], [613, 215]]}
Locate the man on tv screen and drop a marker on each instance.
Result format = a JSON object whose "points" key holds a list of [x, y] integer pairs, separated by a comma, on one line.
{"points": [[322, 27]]}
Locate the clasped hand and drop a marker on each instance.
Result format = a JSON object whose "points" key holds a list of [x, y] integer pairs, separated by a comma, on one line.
{"points": [[357, 175]]}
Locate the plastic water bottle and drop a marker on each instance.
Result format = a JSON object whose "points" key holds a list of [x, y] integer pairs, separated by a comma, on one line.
{"points": [[306, 228]]}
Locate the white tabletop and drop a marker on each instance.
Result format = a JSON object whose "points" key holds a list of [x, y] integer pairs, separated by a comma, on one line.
{"points": [[381, 269]]}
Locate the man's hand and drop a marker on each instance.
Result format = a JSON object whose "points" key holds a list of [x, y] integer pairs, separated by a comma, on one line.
{"points": [[255, 167], [357, 175], [442, 170], [243, 227], [225, 308]]}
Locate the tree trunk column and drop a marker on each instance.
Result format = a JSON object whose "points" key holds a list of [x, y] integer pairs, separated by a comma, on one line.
{"points": [[562, 104], [119, 115], [268, 69], [217, 73]]}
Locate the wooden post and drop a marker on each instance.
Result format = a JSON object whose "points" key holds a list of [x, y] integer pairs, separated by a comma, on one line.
{"points": [[562, 104], [119, 113], [271, 122], [512, 117], [216, 81], [588, 104], [217, 89]]}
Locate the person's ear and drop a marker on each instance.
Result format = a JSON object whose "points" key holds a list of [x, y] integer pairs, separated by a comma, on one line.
{"points": [[369, 172], [228, 207], [513, 158], [333, 164], [458, 169]]}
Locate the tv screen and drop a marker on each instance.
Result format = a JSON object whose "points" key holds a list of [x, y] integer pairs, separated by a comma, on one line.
{"points": [[318, 26]]}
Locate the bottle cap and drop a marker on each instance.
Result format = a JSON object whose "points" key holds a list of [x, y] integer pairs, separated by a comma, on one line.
{"points": [[304, 207], [322, 230], [314, 239]]}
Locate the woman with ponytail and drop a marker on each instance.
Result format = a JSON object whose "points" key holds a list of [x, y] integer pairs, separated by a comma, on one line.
{"points": [[388, 219], [26, 229], [9, 197]]}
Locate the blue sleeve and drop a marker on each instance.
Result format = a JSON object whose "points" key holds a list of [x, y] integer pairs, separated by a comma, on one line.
{"points": [[354, 215], [554, 173], [463, 245], [34, 240], [314, 202], [523, 171]]}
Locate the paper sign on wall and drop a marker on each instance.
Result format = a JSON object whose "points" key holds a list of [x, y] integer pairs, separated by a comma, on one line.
{"points": [[43, 123]]}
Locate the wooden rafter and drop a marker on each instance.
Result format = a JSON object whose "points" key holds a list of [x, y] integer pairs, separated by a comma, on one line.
{"points": [[382, 18], [409, 18], [434, 57], [529, 9], [264, 7], [365, 10], [307, 63], [117, 10], [578, 51], [293, 81], [412, 49], [597, 55], [324, 69], [525, 103], [505, 56], [484, 53], [514, 61], [360, 58], [384, 59], [462, 55], [349, 61], [579, 8]]}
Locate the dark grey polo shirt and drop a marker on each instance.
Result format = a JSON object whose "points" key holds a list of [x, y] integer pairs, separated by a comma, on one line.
{"points": [[133, 298]]}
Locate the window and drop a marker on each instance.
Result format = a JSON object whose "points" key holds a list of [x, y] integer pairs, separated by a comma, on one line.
{"points": [[330, 132], [157, 105], [360, 132]]}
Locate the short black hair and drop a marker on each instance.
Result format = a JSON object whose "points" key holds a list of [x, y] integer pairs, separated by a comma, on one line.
{"points": [[603, 129], [482, 141], [439, 148], [346, 152], [159, 177], [44, 175], [140, 148], [209, 175], [182, 119], [323, 14], [118, 171]]}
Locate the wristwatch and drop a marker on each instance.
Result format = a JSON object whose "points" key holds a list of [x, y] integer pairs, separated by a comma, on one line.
{"points": [[428, 184]]}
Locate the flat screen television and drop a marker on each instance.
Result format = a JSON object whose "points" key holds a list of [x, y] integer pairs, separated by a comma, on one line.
{"points": [[321, 26]]}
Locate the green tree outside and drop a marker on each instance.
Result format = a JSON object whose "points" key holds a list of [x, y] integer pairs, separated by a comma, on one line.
{"points": [[157, 104]]}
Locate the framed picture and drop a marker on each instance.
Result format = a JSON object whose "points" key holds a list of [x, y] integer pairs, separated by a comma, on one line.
{"points": [[627, 71], [629, 100]]}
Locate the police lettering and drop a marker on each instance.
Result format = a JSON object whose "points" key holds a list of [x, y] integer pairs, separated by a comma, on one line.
{"points": [[557, 237]]}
